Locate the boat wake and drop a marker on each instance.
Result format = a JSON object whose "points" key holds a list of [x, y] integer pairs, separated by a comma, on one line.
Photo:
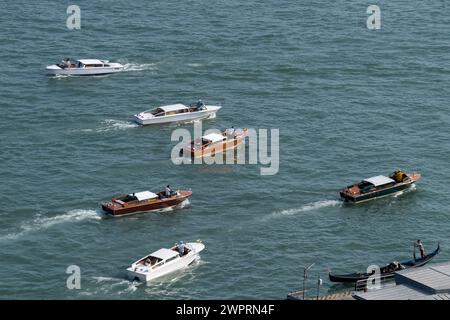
{"points": [[59, 76], [181, 205], [195, 65], [139, 66], [117, 285], [410, 189], [184, 204], [41, 223], [113, 125], [308, 207]]}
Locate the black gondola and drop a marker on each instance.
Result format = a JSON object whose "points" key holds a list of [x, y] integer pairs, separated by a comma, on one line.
{"points": [[385, 271]]}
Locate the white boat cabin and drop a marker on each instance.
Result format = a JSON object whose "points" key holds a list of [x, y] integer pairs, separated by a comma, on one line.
{"points": [[84, 63], [158, 258], [174, 109]]}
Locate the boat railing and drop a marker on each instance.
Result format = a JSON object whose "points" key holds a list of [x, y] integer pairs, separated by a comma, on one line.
{"points": [[374, 283]]}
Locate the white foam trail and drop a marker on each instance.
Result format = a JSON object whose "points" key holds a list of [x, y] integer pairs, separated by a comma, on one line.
{"points": [[41, 223], [182, 205], [112, 124], [129, 286], [139, 66], [195, 65], [412, 188], [308, 207], [59, 76]]}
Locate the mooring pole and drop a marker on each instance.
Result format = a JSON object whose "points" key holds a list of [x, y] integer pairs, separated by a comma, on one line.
{"points": [[305, 275]]}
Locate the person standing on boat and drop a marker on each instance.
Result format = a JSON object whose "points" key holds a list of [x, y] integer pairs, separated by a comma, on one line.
{"points": [[168, 191], [180, 248], [230, 132], [200, 105], [421, 248]]}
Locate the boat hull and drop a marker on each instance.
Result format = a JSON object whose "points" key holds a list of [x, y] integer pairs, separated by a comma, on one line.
{"points": [[55, 70], [156, 205], [207, 114], [384, 272]]}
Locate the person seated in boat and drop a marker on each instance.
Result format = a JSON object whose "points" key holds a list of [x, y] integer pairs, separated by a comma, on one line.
{"points": [[421, 248], [147, 262], [180, 248], [390, 267], [397, 266]]}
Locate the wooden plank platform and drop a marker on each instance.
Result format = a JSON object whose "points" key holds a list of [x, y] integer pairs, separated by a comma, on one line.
{"points": [[345, 295]]}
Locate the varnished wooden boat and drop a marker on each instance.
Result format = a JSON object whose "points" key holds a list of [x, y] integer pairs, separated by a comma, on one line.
{"points": [[385, 271], [145, 201], [379, 186], [214, 143]]}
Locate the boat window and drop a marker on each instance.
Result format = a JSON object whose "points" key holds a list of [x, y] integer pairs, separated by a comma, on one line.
{"points": [[160, 263], [171, 259], [387, 185], [365, 186], [149, 261], [94, 65], [106, 65], [158, 112]]}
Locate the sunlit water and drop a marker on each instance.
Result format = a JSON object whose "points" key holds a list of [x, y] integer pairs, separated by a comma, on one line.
{"points": [[349, 102]]}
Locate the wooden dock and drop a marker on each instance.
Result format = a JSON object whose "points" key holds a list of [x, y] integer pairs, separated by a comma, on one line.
{"points": [[345, 295]]}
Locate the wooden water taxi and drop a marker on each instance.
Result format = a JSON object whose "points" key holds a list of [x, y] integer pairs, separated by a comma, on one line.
{"points": [[144, 201], [214, 143], [379, 186]]}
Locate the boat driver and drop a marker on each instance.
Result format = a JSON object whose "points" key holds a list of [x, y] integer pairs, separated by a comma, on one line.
{"points": [[231, 132], [399, 176], [200, 105], [180, 248], [168, 191]]}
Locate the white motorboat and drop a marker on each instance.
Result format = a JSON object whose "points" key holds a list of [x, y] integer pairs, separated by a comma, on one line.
{"points": [[176, 113], [164, 261], [84, 67]]}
